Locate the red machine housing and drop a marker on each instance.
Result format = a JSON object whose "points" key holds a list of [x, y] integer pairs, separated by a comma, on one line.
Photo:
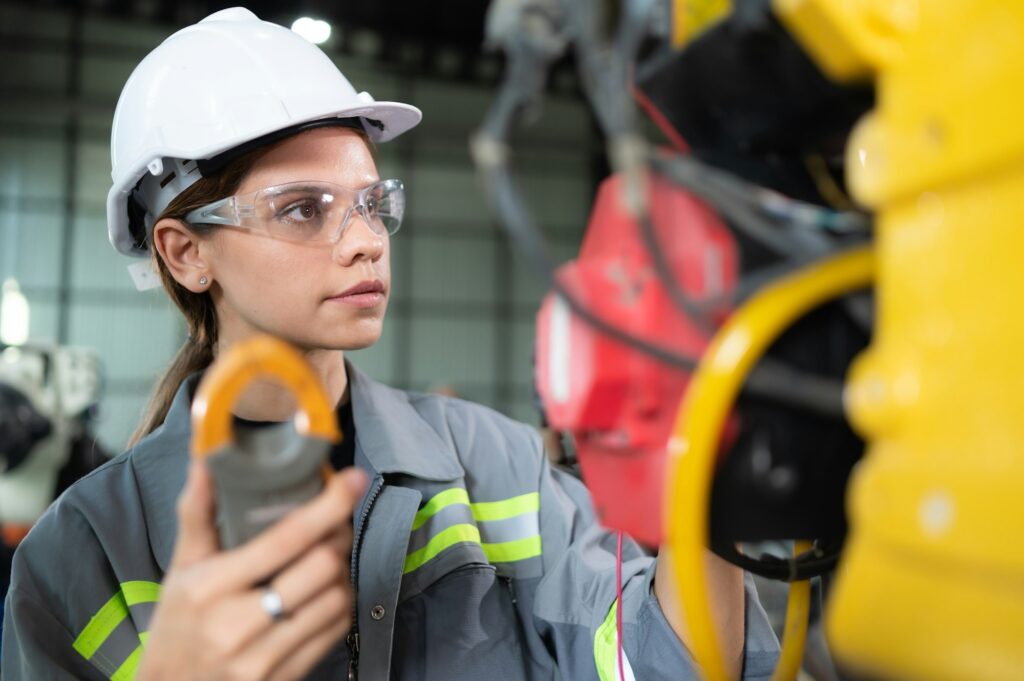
{"points": [[618, 403]]}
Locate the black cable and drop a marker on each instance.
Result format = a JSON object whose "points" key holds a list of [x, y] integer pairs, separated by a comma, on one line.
{"points": [[818, 561]]}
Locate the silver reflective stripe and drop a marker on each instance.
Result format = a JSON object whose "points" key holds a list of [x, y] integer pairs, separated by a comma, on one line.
{"points": [[491, 531], [506, 530], [510, 529], [456, 514]]}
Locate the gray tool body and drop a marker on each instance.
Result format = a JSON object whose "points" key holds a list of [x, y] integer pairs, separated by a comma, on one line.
{"points": [[264, 474]]}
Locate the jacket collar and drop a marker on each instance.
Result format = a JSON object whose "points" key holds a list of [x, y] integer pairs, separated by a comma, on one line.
{"points": [[390, 433], [393, 434]]}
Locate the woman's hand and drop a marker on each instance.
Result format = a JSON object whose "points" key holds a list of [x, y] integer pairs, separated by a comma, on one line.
{"points": [[210, 624]]}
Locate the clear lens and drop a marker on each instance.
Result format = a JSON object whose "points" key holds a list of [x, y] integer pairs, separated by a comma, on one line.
{"points": [[297, 212], [384, 205], [310, 211]]}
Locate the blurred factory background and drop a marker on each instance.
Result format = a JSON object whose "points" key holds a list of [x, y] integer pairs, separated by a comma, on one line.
{"points": [[462, 311]]}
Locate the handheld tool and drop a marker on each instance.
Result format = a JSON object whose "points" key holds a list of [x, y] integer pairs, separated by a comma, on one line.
{"points": [[262, 473]]}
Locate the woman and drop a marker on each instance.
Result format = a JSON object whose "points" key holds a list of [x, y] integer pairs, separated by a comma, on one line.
{"points": [[242, 162]]}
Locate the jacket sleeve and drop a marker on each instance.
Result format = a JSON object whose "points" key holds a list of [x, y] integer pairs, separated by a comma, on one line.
{"points": [[37, 645], [574, 607]]}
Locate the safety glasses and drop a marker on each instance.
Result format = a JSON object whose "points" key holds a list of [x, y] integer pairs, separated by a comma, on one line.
{"points": [[308, 212]]}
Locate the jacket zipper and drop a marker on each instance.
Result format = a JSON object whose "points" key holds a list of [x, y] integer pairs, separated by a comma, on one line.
{"points": [[353, 634]]}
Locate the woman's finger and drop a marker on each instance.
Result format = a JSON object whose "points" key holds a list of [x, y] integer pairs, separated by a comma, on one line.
{"points": [[231, 624], [320, 567], [285, 637], [267, 554], [298, 664]]}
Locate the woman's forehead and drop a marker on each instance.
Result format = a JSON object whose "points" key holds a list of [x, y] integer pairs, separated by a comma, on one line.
{"points": [[338, 155]]}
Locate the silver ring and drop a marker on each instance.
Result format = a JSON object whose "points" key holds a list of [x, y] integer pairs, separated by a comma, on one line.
{"points": [[272, 604]]}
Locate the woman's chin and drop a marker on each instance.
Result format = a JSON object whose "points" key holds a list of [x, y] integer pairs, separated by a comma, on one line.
{"points": [[357, 346], [356, 339]]}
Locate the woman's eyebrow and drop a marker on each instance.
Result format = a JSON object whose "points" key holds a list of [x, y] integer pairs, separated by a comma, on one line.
{"points": [[304, 186], [317, 185]]}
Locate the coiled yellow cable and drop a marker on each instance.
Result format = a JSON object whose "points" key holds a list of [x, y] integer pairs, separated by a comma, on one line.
{"points": [[699, 421]]}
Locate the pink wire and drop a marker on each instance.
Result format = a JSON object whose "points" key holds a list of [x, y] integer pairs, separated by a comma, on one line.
{"points": [[618, 601]]}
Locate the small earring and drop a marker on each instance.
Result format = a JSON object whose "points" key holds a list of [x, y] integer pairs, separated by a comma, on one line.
{"points": [[203, 281]]}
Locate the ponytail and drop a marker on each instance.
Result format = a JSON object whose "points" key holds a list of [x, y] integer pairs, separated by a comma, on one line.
{"points": [[191, 357]]}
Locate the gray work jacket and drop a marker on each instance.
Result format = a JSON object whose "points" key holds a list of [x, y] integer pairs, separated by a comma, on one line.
{"points": [[473, 559]]}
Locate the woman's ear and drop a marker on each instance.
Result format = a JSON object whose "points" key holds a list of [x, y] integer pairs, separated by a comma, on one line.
{"points": [[179, 247]]}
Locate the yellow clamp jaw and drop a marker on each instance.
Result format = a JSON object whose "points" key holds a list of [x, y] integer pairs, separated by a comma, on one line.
{"points": [[260, 357]]}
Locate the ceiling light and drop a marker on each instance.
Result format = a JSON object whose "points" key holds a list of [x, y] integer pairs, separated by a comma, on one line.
{"points": [[315, 31], [13, 315]]}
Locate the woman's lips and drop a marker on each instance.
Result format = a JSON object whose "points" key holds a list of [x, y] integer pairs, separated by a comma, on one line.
{"points": [[368, 299], [364, 294]]}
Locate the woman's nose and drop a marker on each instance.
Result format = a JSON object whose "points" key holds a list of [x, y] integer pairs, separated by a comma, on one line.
{"points": [[358, 240]]}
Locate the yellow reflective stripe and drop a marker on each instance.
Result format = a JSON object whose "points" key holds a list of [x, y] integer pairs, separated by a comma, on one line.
{"points": [[509, 551], [140, 592], [455, 495], [112, 614], [605, 650], [497, 552], [101, 625], [450, 536], [507, 508], [127, 671]]}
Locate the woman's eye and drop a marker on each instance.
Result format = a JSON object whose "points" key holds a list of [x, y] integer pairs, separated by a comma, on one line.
{"points": [[372, 205], [301, 212]]}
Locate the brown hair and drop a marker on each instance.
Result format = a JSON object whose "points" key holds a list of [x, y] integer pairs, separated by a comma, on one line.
{"points": [[197, 352]]}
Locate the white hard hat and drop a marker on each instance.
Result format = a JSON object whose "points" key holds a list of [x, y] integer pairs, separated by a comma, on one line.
{"points": [[229, 81]]}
